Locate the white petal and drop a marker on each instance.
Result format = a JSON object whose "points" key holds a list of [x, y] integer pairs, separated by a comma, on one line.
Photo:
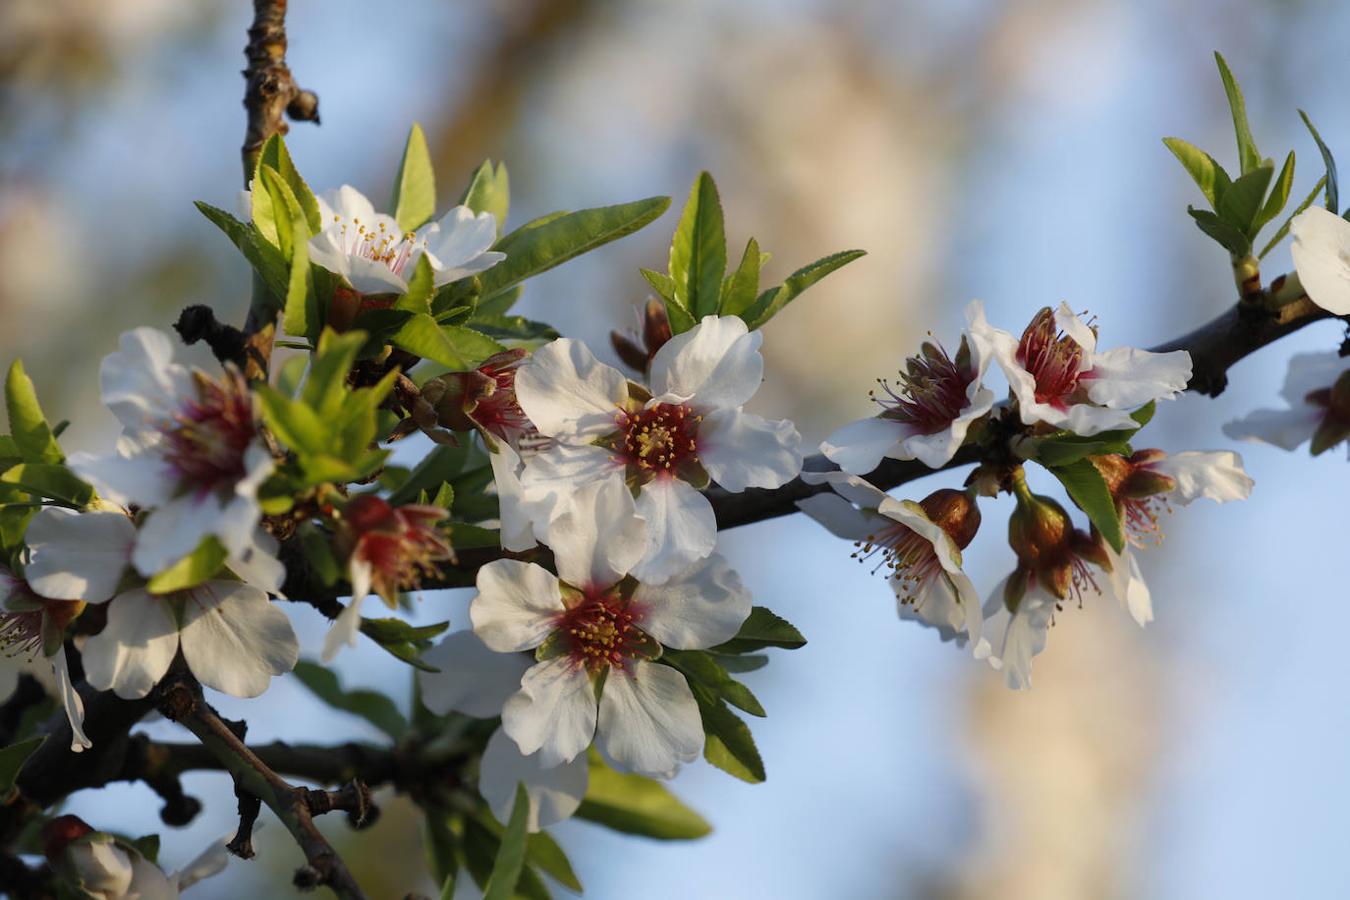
{"points": [[257, 563], [1067, 321], [1285, 428], [937, 449], [700, 608], [518, 604], [458, 244], [473, 679], [78, 556], [1310, 372], [104, 869], [148, 881], [681, 528], [210, 861], [565, 390], [70, 699], [987, 342], [133, 651], [554, 712], [1125, 378], [370, 277], [1126, 583], [174, 530], [1321, 252], [600, 538], [347, 202], [551, 479], [1083, 418], [742, 450], [141, 383], [554, 793], [860, 446], [840, 517], [1217, 475], [852, 488], [346, 628], [1025, 637], [234, 639], [717, 363], [517, 527], [649, 720], [135, 473]]}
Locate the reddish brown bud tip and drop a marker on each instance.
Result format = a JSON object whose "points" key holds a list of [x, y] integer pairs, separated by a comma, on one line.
{"points": [[955, 512], [59, 832], [369, 513], [633, 356], [655, 327]]}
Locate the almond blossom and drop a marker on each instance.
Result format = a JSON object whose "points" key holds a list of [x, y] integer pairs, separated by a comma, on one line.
{"points": [[477, 682], [1318, 394], [375, 256], [1058, 377], [233, 638], [918, 544], [666, 445], [597, 632], [31, 624], [1321, 252], [925, 414], [190, 453], [105, 867]]}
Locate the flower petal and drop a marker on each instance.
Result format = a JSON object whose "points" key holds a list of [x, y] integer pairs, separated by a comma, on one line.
{"points": [[860, 446], [1310, 372], [78, 556], [566, 391], [742, 450], [1067, 321], [649, 720], [700, 608], [134, 473], [141, 383], [257, 563], [840, 518], [681, 528], [1126, 583], [1284, 428], [346, 628], [550, 480], [853, 488], [1321, 252], [518, 604], [554, 712], [717, 363], [234, 639], [600, 538], [133, 651], [1125, 378], [1218, 475], [554, 793], [473, 679], [457, 245], [1028, 628], [174, 530], [517, 525]]}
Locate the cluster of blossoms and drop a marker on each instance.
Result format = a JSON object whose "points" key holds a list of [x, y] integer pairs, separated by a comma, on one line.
{"points": [[1071, 407]]}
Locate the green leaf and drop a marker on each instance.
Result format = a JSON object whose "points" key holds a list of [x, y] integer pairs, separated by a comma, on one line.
{"points": [[772, 301], [743, 284], [50, 480], [663, 284], [514, 328], [414, 200], [633, 804], [422, 284], [275, 155], [1212, 180], [147, 846], [439, 843], [12, 759], [265, 258], [292, 422], [763, 629], [289, 226], [1229, 237], [511, 856], [539, 246], [500, 303], [403, 641], [27, 425], [1333, 198], [701, 667], [453, 346], [1242, 202], [729, 744], [1284, 229], [740, 664], [543, 852], [435, 469], [326, 387], [489, 190], [291, 372], [374, 707], [1247, 152], [300, 314], [698, 252], [448, 887], [1279, 195], [198, 566], [1087, 488], [1144, 414], [1052, 452]]}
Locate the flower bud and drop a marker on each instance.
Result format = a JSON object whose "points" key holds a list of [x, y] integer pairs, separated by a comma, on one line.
{"points": [[484, 398], [655, 332], [59, 832], [1050, 550], [955, 512]]}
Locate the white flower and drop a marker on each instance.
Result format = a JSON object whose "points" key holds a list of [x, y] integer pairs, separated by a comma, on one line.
{"points": [[477, 682], [1321, 252], [1025, 634], [599, 632], [667, 446], [377, 257], [922, 559], [233, 638], [105, 868], [1312, 407], [1059, 378], [925, 415], [190, 453]]}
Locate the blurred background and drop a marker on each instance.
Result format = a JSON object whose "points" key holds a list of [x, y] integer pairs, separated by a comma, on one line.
{"points": [[1006, 151]]}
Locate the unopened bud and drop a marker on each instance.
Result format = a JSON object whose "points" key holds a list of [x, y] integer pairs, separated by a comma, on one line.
{"points": [[369, 513], [59, 832], [655, 327], [1133, 477], [955, 512]]}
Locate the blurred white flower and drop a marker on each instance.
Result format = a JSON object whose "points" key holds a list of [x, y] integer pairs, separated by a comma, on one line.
{"points": [[1317, 410], [1321, 252]]}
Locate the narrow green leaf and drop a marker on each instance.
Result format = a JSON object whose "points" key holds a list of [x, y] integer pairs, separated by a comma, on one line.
{"points": [[1228, 237], [511, 857], [422, 284], [536, 248], [701, 667], [403, 641], [275, 155], [414, 200], [300, 315], [698, 252], [489, 190], [728, 744], [633, 804], [1279, 196], [435, 469], [1333, 198], [291, 373], [1242, 201], [663, 284], [27, 424], [292, 422], [50, 480], [743, 284], [326, 385], [771, 302], [194, 569], [1088, 490], [500, 303], [448, 887], [450, 345], [514, 328], [1144, 414], [289, 224], [1247, 152], [263, 256], [1284, 229], [374, 707], [543, 852], [763, 629], [12, 759], [1211, 178]]}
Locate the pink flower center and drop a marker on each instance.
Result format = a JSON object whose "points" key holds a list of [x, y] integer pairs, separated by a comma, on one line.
{"points": [[930, 392], [659, 440], [401, 544], [1052, 358], [206, 441], [498, 411], [602, 631], [910, 558], [378, 244]]}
